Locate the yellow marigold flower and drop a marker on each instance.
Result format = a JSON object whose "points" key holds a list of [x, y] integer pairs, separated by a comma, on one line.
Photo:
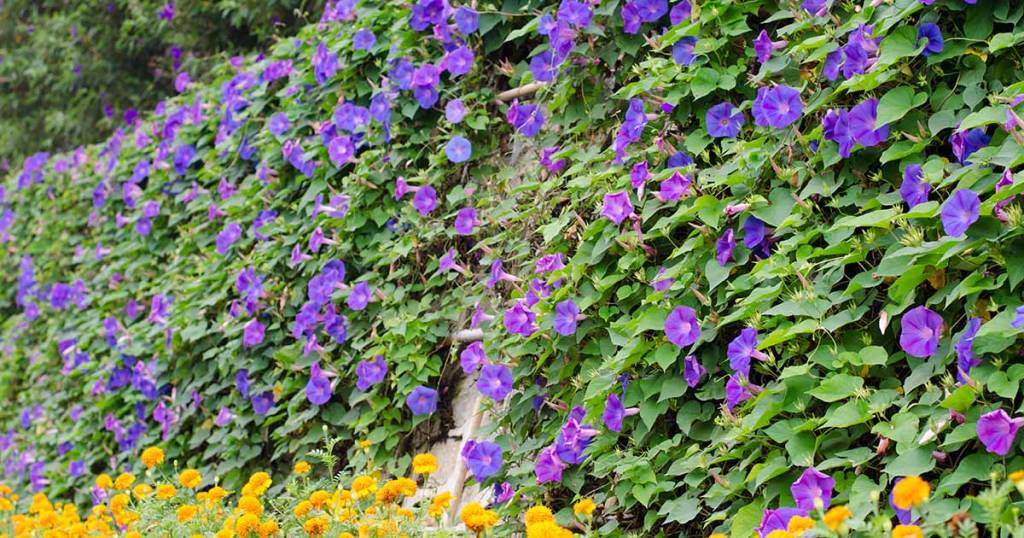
{"points": [[319, 499], [142, 491], [302, 509], [301, 468], [152, 456], [315, 526], [248, 524], [478, 519], [165, 491], [187, 512], [5, 490], [190, 478], [718, 535], [1016, 476], [547, 529], [6, 505], [779, 534], [405, 486], [119, 502], [365, 444], [342, 498], [439, 505], [258, 484], [405, 512], [124, 481], [346, 535], [538, 514], [836, 516], [910, 492], [132, 534], [104, 481], [584, 508], [424, 464], [216, 493], [799, 524], [907, 531], [250, 504], [269, 528], [363, 486]]}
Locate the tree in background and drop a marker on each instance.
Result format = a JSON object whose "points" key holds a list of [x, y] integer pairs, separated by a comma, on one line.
{"points": [[71, 71]]}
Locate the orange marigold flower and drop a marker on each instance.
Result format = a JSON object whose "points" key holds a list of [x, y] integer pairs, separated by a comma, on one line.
{"points": [[538, 514], [302, 509], [269, 528], [165, 491], [187, 512], [250, 504], [424, 464], [319, 498], [548, 529], [124, 481], [836, 516], [799, 524], [315, 526], [104, 481], [910, 492], [718, 535], [363, 486], [216, 493], [779, 534], [152, 456], [584, 508], [142, 491], [301, 468], [907, 531], [190, 478], [246, 525], [1017, 476], [478, 519]]}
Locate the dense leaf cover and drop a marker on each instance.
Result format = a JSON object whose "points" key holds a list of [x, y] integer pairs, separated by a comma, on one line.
{"points": [[718, 245]]}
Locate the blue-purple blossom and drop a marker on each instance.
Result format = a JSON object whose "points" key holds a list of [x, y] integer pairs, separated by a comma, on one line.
{"points": [[682, 327], [930, 33], [997, 431], [455, 111], [472, 358], [252, 334], [359, 297], [682, 50], [525, 119], [422, 400], [617, 206], [369, 373], [960, 211], [466, 20], [723, 121], [693, 370], [483, 458], [425, 200], [459, 61], [615, 412], [566, 315], [318, 389], [725, 246], [764, 46], [495, 381], [914, 190], [964, 347], [742, 348], [920, 332], [777, 107], [458, 149], [466, 221], [519, 319], [363, 39], [966, 143], [813, 490]]}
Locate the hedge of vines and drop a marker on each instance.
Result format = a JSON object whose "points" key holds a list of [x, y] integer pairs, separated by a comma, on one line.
{"points": [[709, 244]]}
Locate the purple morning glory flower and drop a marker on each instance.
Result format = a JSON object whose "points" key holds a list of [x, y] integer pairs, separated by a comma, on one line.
{"points": [[370, 373], [693, 370], [549, 467], [543, 67], [262, 403], [279, 124], [465, 221], [960, 211], [813, 490], [224, 417], [483, 458], [360, 296], [566, 315], [495, 381], [499, 275], [466, 20], [931, 33], [651, 10], [425, 200], [777, 107], [364, 39], [617, 206], [764, 46], [966, 143], [459, 61], [737, 390], [325, 64], [252, 334], [458, 149], [724, 247], [778, 519], [549, 263], [425, 80], [232, 232], [318, 389], [674, 187], [166, 12], [753, 232], [997, 431], [422, 400], [681, 326], [525, 119], [615, 412], [181, 82], [682, 50], [341, 150], [661, 284], [920, 331], [723, 121], [639, 174], [966, 359], [1018, 320], [914, 190], [519, 319], [680, 12], [473, 357], [742, 348], [455, 111]]}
